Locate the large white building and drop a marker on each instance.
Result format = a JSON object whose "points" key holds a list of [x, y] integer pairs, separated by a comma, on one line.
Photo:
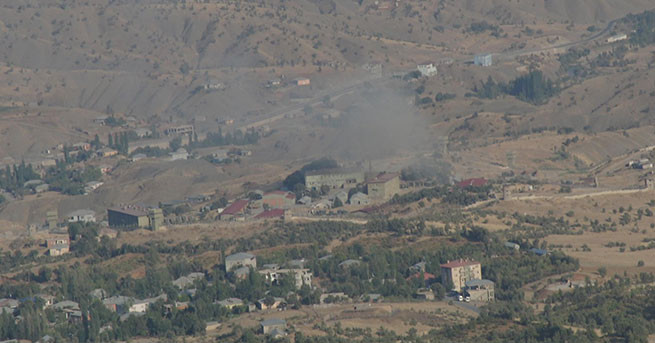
{"points": [[427, 69], [83, 216], [483, 60]]}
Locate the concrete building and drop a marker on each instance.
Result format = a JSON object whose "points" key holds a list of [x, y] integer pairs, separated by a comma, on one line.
{"points": [[334, 178], [82, 216], [242, 259], [359, 198], [301, 276], [424, 294], [427, 69], [480, 290], [107, 152], [179, 130], [58, 250], [459, 271], [230, 303], [132, 217], [142, 132], [384, 186], [617, 38], [483, 60], [273, 326], [179, 154]]}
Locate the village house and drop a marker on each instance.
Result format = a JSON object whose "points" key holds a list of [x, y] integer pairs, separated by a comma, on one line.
{"points": [[230, 303], [276, 213], [359, 198], [270, 304], [58, 246], [179, 154], [142, 132], [82, 146], [424, 294], [82, 216], [483, 60], [334, 178], [617, 38], [476, 182], [179, 130], [480, 290], [235, 210], [342, 196], [274, 327], [219, 155], [456, 273], [188, 280], [128, 217], [141, 306], [301, 276], [242, 259], [384, 186], [106, 152], [427, 69], [119, 304]]}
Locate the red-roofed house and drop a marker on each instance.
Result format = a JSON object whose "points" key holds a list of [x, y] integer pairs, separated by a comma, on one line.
{"points": [[278, 199], [459, 271], [428, 278], [476, 182], [276, 213], [234, 210]]}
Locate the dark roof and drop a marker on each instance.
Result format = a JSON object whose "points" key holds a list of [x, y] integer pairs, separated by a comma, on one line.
{"points": [[236, 207], [384, 177], [459, 263], [539, 252], [476, 182], [274, 213], [129, 211], [479, 283], [273, 322]]}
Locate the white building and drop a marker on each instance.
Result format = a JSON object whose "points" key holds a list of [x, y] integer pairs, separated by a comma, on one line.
{"points": [[617, 38], [483, 60], [427, 69], [82, 216], [179, 154]]}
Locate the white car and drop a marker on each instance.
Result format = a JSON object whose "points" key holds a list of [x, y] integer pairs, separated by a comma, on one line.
{"points": [[460, 298], [467, 299]]}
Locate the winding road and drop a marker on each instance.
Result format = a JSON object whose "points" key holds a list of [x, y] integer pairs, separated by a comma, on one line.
{"points": [[331, 93]]}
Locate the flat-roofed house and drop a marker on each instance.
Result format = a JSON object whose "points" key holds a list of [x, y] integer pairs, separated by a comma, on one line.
{"points": [[242, 259]]}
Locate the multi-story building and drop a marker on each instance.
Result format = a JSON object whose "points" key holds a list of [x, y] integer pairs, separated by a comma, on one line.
{"points": [[333, 178], [301, 276], [384, 186], [458, 272]]}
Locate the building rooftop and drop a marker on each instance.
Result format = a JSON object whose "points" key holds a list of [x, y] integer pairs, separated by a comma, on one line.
{"points": [[479, 283], [129, 211], [459, 263], [274, 213], [273, 321], [475, 182], [239, 256], [384, 177], [82, 213], [236, 207]]}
